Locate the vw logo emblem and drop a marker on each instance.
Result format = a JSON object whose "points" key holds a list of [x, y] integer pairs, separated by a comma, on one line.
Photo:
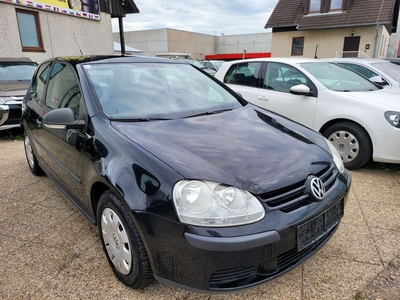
{"points": [[317, 188]]}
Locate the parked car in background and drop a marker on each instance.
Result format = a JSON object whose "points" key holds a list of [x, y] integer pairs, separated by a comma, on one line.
{"points": [[15, 75], [380, 71], [361, 119], [212, 64], [187, 182], [395, 61], [199, 65]]}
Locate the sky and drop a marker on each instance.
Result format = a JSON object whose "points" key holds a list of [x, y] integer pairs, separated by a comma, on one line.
{"points": [[213, 17]]}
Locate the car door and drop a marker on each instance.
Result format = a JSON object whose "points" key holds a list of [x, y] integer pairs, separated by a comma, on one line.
{"points": [[33, 106], [60, 147], [244, 78], [275, 95]]}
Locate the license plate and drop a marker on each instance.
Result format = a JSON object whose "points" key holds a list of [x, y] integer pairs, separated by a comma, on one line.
{"points": [[316, 228]]}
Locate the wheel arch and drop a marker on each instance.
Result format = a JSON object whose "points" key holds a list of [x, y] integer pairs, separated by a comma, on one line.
{"points": [[342, 120]]}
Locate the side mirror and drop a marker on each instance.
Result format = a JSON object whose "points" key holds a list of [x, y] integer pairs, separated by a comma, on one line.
{"points": [[301, 89], [379, 80], [62, 118]]}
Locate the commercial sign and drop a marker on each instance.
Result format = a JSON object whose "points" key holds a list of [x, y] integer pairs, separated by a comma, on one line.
{"points": [[79, 8]]}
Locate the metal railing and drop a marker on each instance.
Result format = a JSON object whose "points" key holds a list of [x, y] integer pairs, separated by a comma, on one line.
{"points": [[350, 54]]}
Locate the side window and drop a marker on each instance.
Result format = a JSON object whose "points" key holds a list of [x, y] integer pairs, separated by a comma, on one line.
{"points": [[40, 81], [360, 69], [281, 77], [63, 90], [244, 74]]}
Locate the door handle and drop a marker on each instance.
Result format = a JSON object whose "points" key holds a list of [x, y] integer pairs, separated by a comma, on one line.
{"points": [[263, 98]]}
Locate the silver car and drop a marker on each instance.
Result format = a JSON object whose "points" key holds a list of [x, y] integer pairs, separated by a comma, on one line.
{"points": [[380, 71]]}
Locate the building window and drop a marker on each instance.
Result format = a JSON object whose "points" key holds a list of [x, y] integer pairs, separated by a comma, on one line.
{"points": [[29, 30], [297, 45], [324, 6], [336, 5], [315, 6]]}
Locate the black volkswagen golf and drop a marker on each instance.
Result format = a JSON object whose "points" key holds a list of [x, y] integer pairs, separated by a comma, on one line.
{"points": [[187, 182]]}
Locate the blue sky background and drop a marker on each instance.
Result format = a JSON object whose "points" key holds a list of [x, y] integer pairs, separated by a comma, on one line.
{"points": [[203, 16]]}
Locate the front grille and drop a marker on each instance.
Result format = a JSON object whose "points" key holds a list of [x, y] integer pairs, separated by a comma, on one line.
{"points": [[14, 114], [251, 274], [225, 278], [294, 196]]}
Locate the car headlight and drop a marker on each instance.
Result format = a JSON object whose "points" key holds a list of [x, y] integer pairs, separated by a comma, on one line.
{"points": [[206, 203], [337, 159], [393, 117]]}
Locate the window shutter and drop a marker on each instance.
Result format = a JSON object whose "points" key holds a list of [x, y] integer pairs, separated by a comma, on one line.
{"points": [[306, 4], [345, 5], [325, 6]]}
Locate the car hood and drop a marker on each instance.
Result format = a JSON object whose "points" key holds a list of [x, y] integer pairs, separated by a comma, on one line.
{"points": [[247, 147], [13, 88]]}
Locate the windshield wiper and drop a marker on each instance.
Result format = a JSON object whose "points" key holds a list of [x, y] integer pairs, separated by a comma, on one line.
{"points": [[208, 113]]}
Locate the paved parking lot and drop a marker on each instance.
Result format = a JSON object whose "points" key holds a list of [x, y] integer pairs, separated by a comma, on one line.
{"points": [[48, 250]]}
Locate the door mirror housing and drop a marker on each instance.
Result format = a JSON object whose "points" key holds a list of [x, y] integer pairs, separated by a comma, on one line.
{"points": [[301, 89], [379, 80], [62, 118]]}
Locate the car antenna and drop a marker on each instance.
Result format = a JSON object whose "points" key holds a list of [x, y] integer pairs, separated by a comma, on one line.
{"points": [[77, 43]]}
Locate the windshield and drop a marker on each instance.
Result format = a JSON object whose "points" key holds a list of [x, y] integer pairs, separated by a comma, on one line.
{"points": [[145, 91], [388, 68], [197, 64], [338, 78], [16, 71], [218, 64]]}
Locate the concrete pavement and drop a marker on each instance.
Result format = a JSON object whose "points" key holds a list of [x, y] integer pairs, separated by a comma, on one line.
{"points": [[48, 250]]}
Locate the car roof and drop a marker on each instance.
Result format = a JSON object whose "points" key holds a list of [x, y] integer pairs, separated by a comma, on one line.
{"points": [[94, 59], [366, 60], [16, 59], [293, 60]]}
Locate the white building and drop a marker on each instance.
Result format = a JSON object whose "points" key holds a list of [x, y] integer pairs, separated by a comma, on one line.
{"points": [[40, 30]]}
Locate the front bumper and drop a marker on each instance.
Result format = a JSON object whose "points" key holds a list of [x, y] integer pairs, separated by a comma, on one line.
{"points": [[215, 260], [10, 115]]}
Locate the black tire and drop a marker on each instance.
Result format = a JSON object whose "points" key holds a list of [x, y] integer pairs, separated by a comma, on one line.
{"points": [[352, 142], [31, 157], [120, 236]]}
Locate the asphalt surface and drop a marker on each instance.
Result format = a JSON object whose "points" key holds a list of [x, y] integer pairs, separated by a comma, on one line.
{"points": [[48, 250]]}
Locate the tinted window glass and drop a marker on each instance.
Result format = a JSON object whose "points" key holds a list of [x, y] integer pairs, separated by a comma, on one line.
{"points": [[281, 77], [63, 90], [244, 74], [39, 84]]}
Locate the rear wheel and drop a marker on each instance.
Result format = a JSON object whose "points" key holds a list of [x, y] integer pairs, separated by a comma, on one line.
{"points": [[352, 142], [30, 156], [122, 243]]}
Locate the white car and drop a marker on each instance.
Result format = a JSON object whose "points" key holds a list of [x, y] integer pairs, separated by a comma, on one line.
{"points": [[380, 71], [361, 119]]}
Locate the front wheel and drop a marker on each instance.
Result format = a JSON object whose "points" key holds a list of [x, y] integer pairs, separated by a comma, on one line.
{"points": [[122, 243], [352, 142]]}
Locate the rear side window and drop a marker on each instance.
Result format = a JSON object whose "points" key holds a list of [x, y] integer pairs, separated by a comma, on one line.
{"points": [[244, 74], [40, 81]]}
